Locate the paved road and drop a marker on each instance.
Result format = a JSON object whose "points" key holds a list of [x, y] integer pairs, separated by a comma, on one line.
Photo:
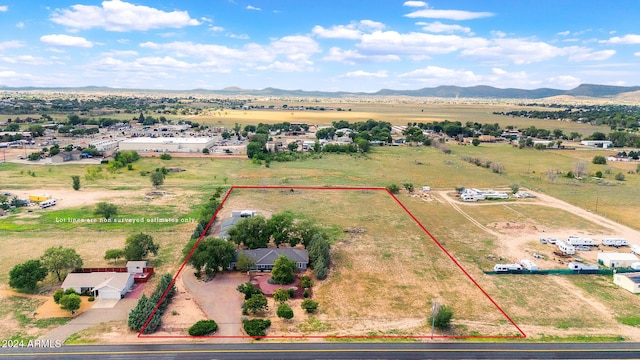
{"points": [[339, 351]]}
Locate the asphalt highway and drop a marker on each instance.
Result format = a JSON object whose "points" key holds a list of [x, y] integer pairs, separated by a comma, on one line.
{"points": [[449, 350]]}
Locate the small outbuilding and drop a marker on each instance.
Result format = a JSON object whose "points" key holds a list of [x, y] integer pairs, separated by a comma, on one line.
{"points": [[617, 259], [136, 267], [628, 281]]}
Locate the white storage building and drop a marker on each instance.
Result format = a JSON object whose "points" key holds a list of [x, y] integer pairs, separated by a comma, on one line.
{"points": [[628, 281], [167, 144], [616, 259]]}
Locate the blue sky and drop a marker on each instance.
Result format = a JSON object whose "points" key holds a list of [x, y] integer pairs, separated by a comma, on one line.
{"points": [[350, 45]]}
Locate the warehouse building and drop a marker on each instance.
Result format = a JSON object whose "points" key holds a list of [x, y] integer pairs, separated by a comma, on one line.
{"points": [[617, 260], [167, 144], [628, 281]]}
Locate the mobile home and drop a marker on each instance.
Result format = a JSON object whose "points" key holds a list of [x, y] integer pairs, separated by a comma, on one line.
{"points": [[507, 267], [617, 242], [48, 203], [578, 241], [566, 248]]}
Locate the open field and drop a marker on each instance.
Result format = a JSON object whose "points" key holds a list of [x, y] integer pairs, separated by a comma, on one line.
{"points": [[395, 113], [551, 306]]}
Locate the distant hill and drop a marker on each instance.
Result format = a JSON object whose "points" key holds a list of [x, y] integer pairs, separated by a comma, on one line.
{"points": [[480, 91]]}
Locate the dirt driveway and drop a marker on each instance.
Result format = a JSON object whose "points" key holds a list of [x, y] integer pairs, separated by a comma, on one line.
{"points": [[218, 299]]}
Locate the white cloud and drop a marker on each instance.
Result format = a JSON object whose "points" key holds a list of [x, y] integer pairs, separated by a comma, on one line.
{"points": [[280, 66], [565, 81], [122, 41], [216, 28], [20, 25], [119, 53], [412, 3], [4, 8], [438, 27], [498, 33], [117, 15], [564, 33], [11, 44], [352, 57], [26, 59], [448, 14], [636, 53], [251, 7], [627, 39], [239, 36], [584, 54], [205, 19], [66, 40], [414, 43], [352, 31], [365, 74], [439, 75], [518, 51]]}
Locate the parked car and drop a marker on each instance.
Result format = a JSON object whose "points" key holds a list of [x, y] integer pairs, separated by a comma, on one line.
{"points": [[543, 240], [552, 240]]}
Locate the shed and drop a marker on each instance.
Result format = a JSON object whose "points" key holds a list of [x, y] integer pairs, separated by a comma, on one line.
{"points": [[628, 281], [136, 267], [617, 259]]}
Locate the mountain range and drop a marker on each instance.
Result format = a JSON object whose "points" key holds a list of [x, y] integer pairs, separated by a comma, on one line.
{"points": [[480, 91]]}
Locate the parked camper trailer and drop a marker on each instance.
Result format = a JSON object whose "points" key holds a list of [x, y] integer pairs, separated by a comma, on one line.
{"points": [[552, 241], [635, 249], [582, 267], [529, 265], [578, 241], [507, 267], [47, 203], [617, 242], [566, 248]]}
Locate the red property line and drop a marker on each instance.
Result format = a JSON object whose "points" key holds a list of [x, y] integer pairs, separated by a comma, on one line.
{"points": [[206, 229]]}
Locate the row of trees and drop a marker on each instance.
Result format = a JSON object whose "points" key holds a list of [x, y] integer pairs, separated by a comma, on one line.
{"points": [[162, 295]]}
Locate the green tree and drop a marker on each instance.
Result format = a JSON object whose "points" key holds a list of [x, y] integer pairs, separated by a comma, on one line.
{"points": [[515, 187], [305, 282], [157, 178], [409, 187], [443, 317], [165, 156], [282, 272], [252, 232], [619, 176], [27, 275], [475, 142], [393, 188], [255, 304], [58, 259], [599, 159], [76, 182], [284, 311], [281, 227], [248, 289], [212, 255], [58, 295], [36, 130], [599, 174], [114, 254], [34, 156], [138, 246], [309, 305], [244, 263], [105, 210], [281, 296], [292, 146], [139, 314], [205, 151], [70, 302]]}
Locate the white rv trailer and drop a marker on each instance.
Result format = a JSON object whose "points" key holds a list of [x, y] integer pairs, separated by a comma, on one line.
{"points": [[617, 242], [47, 203], [566, 248]]}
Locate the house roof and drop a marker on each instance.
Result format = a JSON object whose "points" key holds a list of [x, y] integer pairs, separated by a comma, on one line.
{"points": [[266, 256], [617, 256], [97, 280]]}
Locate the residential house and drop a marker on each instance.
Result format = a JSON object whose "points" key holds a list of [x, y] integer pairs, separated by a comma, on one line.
{"points": [[103, 285], [264, 258]]}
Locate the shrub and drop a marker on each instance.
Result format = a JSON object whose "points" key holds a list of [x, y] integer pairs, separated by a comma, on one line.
{"points": [[256, 327], [309, 305], [393, 188], [58, 295], [203, 327], [598, 174], [248, 289], [70, 291], [292, 292], [284, 311], [92, 298], [442, 318], [165, 157], [306, 293], [619, 176], [599, 159], [305, 282]]}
